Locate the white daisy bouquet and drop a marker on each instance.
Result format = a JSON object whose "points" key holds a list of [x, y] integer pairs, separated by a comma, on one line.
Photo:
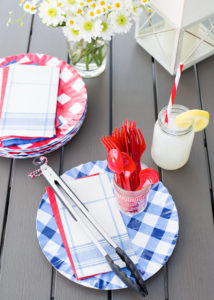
{"points": [[86, 22]]}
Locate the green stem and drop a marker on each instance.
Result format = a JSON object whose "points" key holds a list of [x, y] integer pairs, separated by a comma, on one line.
{"points": [[92, 52], [74, 62], [96, 58], [87, 56], [101, 56]]}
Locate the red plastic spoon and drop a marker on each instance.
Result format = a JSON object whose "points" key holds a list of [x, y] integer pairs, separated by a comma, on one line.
{"points": [[115, 164], [147, 176], [128, 168], [121, 162]]}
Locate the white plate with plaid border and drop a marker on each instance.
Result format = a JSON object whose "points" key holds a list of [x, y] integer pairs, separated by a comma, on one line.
{"points": [[153, 232]]}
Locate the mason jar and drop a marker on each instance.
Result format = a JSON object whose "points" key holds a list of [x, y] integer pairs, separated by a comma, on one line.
{"points": [[171, 146], [131, 202]]}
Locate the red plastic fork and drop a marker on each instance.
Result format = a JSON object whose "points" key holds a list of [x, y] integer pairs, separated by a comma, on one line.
{"points": [[108, 143], [138, 147], [117, 139], [125, 138]]}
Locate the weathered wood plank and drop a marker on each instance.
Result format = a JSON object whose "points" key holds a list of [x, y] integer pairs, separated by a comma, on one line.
{"points": [[84, 147], [23, 265], [48, 40], [190, 269], [13, 40], [4, 181], [133, 99], [206, 75]]}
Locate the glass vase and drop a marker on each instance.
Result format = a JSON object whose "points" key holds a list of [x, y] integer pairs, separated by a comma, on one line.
{"points": [[89, 59]]}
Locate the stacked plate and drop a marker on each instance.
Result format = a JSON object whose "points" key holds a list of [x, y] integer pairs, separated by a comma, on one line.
{"points": [[70, 112]]}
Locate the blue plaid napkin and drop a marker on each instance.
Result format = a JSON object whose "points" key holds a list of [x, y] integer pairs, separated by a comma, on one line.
{"points": [[29, 104], [97, 194]]}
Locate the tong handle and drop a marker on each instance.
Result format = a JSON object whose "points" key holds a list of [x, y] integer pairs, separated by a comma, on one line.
{"points": [[132, 268], [138, 286]]}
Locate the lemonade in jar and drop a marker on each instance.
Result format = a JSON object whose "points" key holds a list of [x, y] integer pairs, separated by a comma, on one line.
{"points": [[172, 141]]}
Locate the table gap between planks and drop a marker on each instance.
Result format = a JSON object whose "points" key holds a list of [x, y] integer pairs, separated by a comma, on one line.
{"points": [[133, 86]]}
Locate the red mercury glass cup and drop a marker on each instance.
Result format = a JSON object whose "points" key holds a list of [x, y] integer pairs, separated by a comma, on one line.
{"points": [[131, 202]]}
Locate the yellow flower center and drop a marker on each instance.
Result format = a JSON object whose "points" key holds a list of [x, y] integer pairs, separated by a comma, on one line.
{"points": [[117, 4], [82, 3], [79, 11], [105, 26], [75, 32], [121, 20], [71, 2], [93, 5], [98, 11], [52, 12], [102, 3], [27, 6], [88, 26], [71, 22], [104, 9], [91, 13], [32, 8], [109, 6]]}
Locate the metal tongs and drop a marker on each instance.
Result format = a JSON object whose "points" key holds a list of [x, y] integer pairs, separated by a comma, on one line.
{"points": [[67, 197]]}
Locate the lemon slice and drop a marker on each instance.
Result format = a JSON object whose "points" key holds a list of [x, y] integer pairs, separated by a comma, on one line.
{"points": [[199, 119]]}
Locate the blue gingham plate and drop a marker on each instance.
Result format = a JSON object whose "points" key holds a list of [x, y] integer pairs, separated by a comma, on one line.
{"points": [[153, 232]]}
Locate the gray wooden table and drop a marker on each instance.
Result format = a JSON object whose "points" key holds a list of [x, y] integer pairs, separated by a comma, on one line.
{"points": [[133, 86]]}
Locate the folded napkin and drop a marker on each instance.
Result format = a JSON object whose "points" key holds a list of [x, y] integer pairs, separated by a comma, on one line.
{"points": [[28, 100], [97, 194], [12, 141]]}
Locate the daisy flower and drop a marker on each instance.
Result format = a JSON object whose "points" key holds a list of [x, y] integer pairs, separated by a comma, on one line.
{"points": [[71, 21], [89, 19], [70, 5], [72, 34], [91, 13], [98, 11], [27, 6], [93, 4], [102, 2], [50, 13], [144, 2], [109, 6], [121, 21], [89, 29], [123, 4], [82, 4], [117, 4], [107, 30]]}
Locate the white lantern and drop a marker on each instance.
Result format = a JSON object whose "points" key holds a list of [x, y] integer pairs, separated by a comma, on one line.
{"points": [[177, 31]]}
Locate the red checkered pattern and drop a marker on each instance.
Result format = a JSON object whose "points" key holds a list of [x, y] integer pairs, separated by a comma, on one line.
{"points": [[71, 102]]}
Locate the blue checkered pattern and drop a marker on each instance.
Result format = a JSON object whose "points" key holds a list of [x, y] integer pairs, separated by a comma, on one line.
{"points": [[153, 232]]}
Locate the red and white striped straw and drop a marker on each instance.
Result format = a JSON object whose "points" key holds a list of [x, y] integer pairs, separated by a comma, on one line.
{"points": [[173, 93]]}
